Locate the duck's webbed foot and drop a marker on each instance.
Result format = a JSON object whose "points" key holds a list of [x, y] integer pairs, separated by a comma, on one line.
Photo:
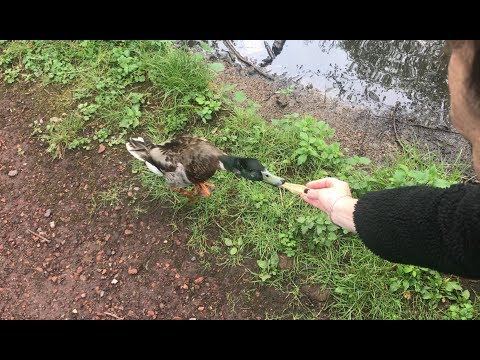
{"points": [[192, 195]]}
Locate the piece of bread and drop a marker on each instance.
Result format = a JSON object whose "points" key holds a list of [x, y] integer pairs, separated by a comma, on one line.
{"points": [[294, 188]]}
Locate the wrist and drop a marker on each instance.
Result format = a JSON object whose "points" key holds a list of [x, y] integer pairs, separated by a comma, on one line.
{"points": [[342, 213]]}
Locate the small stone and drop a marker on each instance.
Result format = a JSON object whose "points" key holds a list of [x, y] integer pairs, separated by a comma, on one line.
{"points": [[48, 213], [83, 295], [151, 313], [102, 293], [114, 281], [282, 101], [192, 319], [184, 287], [12, 173], [101, 148], [130, 194], [132, 271], [39, 269], [201, 308], [198, 280], [52, 224], [128, 232], [75, 311], [136, 188], [108, 252], [83, 278], [193, 258], [161, 306]]}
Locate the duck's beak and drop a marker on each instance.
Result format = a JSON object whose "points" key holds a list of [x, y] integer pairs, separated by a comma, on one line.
{"points": [[272, 179]]}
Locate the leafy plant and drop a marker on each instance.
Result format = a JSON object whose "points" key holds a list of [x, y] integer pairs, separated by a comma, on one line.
{"points": [[233, 244], [268, 267]]}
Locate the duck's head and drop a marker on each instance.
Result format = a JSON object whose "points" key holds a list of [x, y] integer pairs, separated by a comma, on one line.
{"points": [[250, 169]]}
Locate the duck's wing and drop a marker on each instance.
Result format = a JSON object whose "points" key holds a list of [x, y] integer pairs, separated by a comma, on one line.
{"points": [[157, 159], [198, 156]]}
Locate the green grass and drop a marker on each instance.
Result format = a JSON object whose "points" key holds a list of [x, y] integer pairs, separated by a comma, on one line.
{"points": [[120, 88]]}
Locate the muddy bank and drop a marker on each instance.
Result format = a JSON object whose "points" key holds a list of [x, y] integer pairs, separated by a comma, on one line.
{"points": [[360, 130]]}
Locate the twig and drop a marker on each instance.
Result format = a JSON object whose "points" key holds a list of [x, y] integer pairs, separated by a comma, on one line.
{"points": [[419, 125], [430, 128], [113, 315], [230, 46], [40, 236], [395, 128]]}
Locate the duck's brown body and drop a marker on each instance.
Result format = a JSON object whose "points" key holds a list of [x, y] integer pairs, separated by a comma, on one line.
{"points": [[183, 161]]}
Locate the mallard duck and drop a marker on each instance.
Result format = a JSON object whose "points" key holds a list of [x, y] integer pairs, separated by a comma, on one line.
{"points": [[190, 160]]}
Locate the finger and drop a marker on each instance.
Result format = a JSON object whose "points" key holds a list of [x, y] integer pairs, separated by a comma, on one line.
{"points": [[322, 183], [313, 202], [313, 194]]}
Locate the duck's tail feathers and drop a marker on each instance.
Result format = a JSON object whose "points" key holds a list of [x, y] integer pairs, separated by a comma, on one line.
{"points": [[138, 147]]}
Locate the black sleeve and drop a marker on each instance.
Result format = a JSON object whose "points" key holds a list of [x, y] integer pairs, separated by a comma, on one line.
{"points": [[424, 226]]}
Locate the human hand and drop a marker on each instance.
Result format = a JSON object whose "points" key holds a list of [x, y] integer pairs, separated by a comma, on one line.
{"points": [[334, 197]]}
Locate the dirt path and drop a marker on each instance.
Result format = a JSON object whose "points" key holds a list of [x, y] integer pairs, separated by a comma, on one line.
{"points": [[104, 262]]}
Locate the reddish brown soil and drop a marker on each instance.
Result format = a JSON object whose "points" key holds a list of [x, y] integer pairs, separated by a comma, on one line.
{"points": [[100, 262]]}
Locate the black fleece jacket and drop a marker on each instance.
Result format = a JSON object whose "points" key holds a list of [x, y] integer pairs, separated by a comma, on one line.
{"points": [[424, 226]]}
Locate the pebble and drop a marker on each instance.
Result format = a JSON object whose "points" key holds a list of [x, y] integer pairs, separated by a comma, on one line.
{"points": [[12, 173], [52, 224], [128, 232], [198, 280], [75, 311], [114, 281], [101, 148], [132, 271], [48, 213]]}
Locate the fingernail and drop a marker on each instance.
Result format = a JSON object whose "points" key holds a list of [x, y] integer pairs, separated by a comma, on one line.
{"points": [[306, 191]]}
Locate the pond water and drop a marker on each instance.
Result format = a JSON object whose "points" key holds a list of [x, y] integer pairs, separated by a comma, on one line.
{"points": [[375, 73]]}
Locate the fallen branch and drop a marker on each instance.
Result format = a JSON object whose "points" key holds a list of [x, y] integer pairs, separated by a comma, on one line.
{"points": [[278, 46], [269, 50], [271, 55], [37, 235], [231, 47]]}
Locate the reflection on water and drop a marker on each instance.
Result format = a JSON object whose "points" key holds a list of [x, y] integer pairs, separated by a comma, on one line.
{"points": [[374, 73]]}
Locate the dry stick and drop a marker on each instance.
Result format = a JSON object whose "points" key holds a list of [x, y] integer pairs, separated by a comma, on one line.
{"points": [[229, 44], [419, 125], [395, 128], [114, 316], [40, 236]]}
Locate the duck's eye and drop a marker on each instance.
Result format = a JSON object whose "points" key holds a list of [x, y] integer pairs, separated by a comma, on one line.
{"points": [[267, 175]]}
